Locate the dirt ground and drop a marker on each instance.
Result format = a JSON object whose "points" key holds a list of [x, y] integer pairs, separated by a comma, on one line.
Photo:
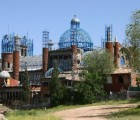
{"points": [[92, 112]]}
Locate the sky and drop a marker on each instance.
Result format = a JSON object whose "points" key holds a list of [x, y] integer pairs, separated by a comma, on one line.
{"points": [[33, 16]]}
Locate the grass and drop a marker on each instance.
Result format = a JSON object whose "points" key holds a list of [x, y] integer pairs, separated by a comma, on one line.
{"points": [[45, 114], [130, 114], [33, 114], [37, 114]]}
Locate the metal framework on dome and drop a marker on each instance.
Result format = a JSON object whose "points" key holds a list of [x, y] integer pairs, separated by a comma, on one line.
{"points": [[8, 44], [75, 36]]}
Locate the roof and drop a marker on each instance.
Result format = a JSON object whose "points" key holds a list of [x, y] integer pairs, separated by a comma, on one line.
{"points": [[122, 71], [31, 62], [12, 82]]}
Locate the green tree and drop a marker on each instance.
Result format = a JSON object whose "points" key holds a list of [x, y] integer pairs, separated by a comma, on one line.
{"points": [[56, 88], [133, 41], [98, 64], [26, 88]]}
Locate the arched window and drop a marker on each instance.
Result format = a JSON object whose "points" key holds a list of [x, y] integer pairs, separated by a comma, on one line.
{"points": [[122, 61]]}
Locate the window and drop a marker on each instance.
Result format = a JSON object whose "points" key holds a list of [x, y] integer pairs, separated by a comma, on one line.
{"points": [[109, 80], [122, 61], [8, 66]]}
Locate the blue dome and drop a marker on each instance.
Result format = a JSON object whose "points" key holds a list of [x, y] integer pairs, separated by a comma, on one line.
{"points": [[49, 72], [75, 36]]}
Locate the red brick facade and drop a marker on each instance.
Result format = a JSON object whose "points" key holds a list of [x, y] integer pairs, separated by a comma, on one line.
{"points": [[118, 81], [7, 58], [109, 47]]}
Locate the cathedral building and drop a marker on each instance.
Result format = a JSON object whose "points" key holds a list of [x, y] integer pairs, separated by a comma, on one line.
{"points": [[17, 55]]}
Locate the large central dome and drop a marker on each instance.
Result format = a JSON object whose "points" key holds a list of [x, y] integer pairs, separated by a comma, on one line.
{"points": [[75, 36]]}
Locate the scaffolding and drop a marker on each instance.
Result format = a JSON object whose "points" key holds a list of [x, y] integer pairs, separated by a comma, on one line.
{"points": [[108, 36], [45, 39], [8, 44], [108, 33], [75, 36]]}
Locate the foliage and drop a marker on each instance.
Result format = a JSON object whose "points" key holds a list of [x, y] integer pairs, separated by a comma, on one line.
{"points": [[138, 81], [26, 88], [56, 88], [98, 63], [133, 41], [67, 93], [84, 94]]}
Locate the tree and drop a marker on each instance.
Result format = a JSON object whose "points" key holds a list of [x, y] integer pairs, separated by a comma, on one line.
{"points": [[56, 88], [133, 41], [98, 64], [26, 88]]}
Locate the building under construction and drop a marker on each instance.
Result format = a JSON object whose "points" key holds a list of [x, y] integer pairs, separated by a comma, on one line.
{"points": [[17, 55]]}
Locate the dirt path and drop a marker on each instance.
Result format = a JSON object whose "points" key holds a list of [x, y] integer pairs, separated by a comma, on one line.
{"points": [[92, 112]]}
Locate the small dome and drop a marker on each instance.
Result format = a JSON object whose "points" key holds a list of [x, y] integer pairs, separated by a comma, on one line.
{"points": [[49, 72], [4, 74], [75, 20]]}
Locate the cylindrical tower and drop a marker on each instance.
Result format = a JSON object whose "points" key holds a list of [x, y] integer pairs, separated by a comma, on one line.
{"points": [[109, 46], [45, 59], [108, 37], [16, 59], [7, 61], [116, 53], [45, 50]]}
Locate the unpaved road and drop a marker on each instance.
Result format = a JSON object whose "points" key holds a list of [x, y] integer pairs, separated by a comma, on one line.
{"points": [[92, 112]]}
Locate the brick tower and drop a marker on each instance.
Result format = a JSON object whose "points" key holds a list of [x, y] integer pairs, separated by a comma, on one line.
{"points": [[16, 59]]}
